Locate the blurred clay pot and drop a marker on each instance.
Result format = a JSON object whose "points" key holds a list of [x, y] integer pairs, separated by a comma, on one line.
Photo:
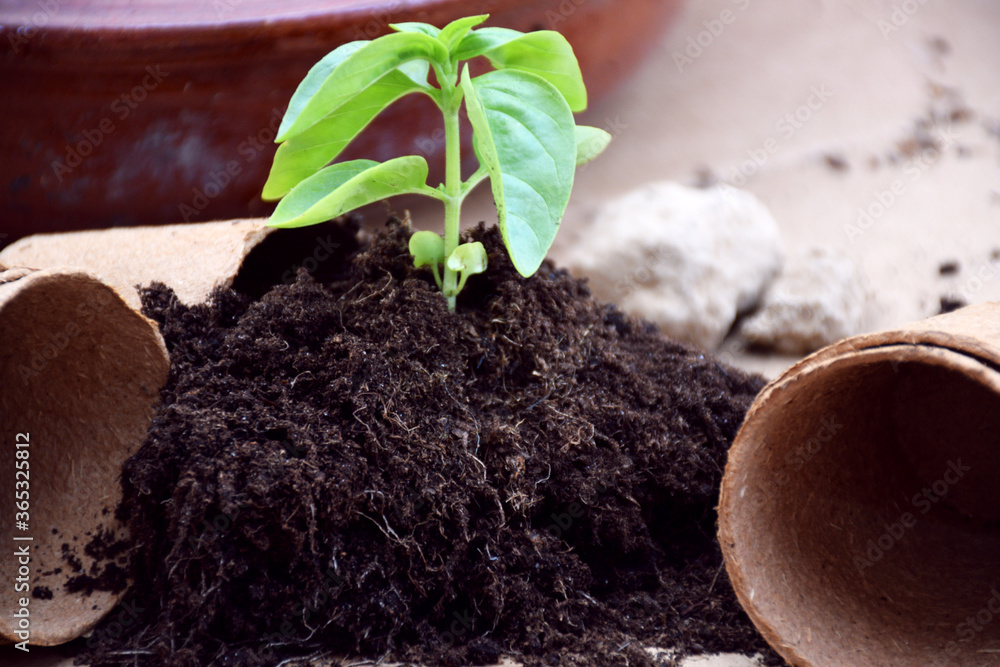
{"points": [[166, 112]]}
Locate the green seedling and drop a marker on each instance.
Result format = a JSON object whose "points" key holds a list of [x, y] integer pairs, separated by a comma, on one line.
{"points": [[524, 136]]}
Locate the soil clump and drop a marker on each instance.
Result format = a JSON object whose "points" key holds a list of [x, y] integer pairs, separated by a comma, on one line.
{"points": [[342, 467]]}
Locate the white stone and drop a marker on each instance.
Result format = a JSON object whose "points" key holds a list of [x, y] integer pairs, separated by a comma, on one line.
{"points": [[819, 299], [685, 258]]}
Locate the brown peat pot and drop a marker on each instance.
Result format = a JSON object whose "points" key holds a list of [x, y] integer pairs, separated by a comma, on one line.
{"points": [[860, 506], [166, 111], [80, 375], [80, 372]]}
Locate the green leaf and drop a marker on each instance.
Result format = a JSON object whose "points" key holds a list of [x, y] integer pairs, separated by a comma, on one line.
{"points": [[544, 53], [356, 73], [413, 26], [590, 142], [313, 189], [416, 70], [451, 35], [526, 140], [343, 187], [478, 42], [427, 249], [467, 259], [317, 74], [302, 155]]}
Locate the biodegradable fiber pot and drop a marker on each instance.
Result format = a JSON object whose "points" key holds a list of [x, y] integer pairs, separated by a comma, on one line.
{"points": [[80, 373], [860, 506], [192, 259]]}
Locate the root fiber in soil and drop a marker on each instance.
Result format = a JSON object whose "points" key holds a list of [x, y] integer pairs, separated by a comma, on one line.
{"points": [[342, 467]]}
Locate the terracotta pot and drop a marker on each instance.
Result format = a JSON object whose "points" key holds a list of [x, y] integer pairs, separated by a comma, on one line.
{"points": [[859, 510], [166, 112]]}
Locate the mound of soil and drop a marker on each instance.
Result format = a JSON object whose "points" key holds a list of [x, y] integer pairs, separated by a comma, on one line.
{"points": [[343, 467]]}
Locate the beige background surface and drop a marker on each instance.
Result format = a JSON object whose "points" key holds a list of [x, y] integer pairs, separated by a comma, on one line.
{"points": [[711, 115]]}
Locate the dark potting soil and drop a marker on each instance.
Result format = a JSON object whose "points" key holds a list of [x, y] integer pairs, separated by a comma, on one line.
{"points": [[343, 467]]}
